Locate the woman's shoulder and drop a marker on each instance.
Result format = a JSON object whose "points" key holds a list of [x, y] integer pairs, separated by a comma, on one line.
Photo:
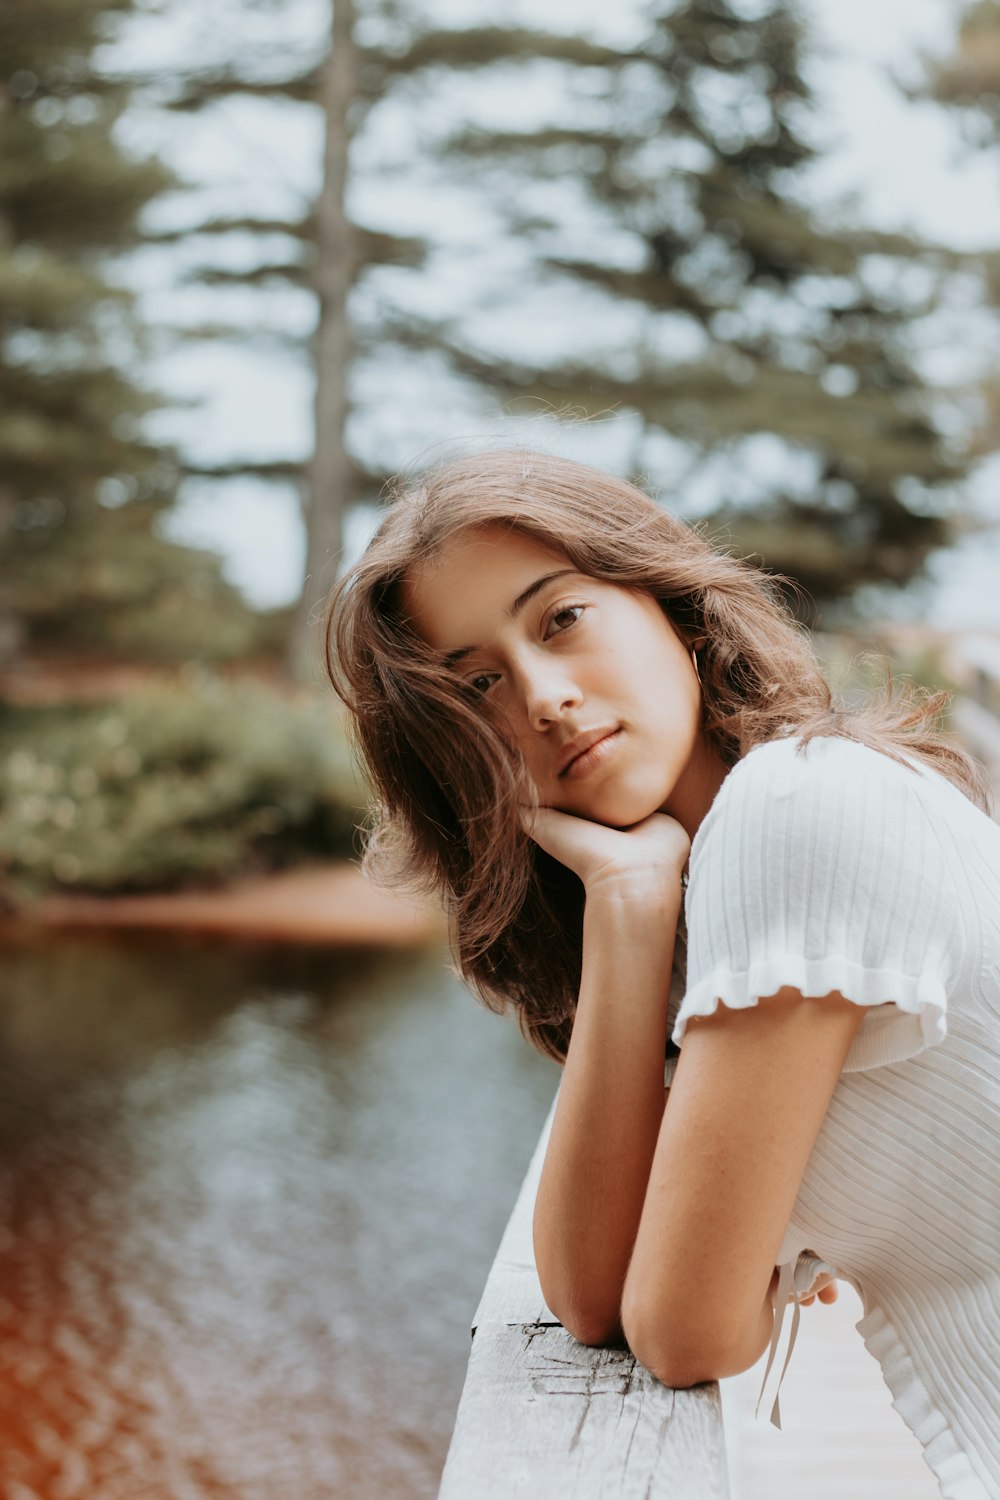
{"points": [[790, 760], [831, 752], [813, 779]]}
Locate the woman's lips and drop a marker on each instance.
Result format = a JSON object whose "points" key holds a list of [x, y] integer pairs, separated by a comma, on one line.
{"points": [[592, 757]]}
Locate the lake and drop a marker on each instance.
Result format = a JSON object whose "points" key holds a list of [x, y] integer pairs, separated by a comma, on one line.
{"points": [[250, 1196]]}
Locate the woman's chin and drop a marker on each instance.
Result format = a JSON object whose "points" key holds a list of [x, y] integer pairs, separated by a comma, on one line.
{"points": [[620, 811]]}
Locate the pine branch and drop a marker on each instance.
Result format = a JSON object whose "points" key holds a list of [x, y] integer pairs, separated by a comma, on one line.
{"points": [[483, 46]]}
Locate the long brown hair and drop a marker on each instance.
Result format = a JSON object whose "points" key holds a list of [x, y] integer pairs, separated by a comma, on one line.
{"points": [[448, 783]]}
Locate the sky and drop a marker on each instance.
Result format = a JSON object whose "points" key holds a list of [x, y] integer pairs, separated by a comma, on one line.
{"points": [[888, 162]]}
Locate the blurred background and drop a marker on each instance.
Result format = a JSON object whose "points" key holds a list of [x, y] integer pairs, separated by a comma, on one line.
{"points": [[256, 258]]}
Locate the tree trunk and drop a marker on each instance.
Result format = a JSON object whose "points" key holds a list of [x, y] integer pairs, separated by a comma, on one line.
{"points": [[11, 631], [329, 470]]}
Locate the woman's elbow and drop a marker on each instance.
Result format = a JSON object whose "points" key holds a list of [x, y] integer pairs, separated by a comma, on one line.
{"points": [[591, 1324], [597, 1332], [588, 1311], [676, 1361]]}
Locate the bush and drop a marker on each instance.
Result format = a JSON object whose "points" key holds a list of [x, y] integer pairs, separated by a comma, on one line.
{"points": [[175, 785]]}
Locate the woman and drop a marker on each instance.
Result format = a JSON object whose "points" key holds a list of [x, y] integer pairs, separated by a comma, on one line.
{"points": [[612, 751]]}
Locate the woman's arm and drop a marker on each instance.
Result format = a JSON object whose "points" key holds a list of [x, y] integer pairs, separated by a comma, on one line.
{"points": [[607, 1119], [664, 1224], [748, 1099], [611, 1099]]}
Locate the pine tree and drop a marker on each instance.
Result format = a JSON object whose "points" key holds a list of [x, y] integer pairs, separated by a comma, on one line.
{"points": [[693, 144], [689, 147], [331, 254], [83, 566]]}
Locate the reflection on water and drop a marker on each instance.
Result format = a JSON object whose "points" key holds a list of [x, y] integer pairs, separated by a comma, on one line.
{"points": [[248, 1200]]}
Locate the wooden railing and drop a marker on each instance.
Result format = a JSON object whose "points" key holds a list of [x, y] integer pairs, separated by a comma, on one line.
{"points": [[543, 1417]]}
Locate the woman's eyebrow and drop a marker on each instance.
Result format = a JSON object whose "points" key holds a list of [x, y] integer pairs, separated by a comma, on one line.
{"points": [[451, 657], [533, 588]]}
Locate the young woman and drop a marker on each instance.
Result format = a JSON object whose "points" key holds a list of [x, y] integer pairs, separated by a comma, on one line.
{"points": [[611, 750]]}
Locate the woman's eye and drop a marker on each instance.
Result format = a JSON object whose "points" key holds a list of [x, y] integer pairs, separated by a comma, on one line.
{"points": [[564, 617], [482, 682]]}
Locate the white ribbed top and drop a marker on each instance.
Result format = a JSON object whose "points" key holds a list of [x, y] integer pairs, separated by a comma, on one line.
{"points": [[837, 868]]}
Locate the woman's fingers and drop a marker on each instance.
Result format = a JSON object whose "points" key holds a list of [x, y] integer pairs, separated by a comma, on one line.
{"points": [[826, 1293], [574, 842], [654, 850]]}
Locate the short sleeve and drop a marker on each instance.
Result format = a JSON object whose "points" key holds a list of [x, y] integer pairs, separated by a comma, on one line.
{"points": [[819, 868]]}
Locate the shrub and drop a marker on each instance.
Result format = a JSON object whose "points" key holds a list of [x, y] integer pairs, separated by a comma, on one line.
{"points": [[174, 785]]}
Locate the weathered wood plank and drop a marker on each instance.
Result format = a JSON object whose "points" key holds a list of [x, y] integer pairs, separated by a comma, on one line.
{"points": [[545, 1418]]}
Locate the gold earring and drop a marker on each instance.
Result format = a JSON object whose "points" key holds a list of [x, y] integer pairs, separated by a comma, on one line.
{"points": [[694, 658]]}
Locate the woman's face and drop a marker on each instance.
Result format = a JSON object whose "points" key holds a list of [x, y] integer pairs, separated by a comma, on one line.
{"points": [[591, 680]]}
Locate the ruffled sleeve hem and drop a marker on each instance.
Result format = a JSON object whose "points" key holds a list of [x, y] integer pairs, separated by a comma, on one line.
{"points": [[909, 1011], [942, 1449]]}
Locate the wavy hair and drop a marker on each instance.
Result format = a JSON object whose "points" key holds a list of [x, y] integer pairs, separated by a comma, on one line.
{"points": [[447, 783]]}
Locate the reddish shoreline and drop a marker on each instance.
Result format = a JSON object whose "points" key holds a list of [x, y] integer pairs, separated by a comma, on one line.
{"points": [[329, 904]]}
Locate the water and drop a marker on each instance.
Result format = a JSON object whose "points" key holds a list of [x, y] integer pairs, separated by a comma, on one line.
{"points": [[249, 1200]]}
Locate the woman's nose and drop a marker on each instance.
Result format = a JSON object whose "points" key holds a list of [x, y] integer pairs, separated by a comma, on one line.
{"points": [[549, 693]]}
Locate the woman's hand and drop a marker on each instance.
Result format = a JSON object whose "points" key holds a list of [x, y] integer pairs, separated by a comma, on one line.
{"points": [[824, 1287], [648, 857]]}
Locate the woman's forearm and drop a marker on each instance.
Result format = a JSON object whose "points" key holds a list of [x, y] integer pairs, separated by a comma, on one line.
{"points": [[610, 1106]]}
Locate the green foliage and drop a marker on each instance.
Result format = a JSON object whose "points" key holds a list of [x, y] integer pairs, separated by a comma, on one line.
{"points": [[82, 490], [114, 590], [178, 784]]}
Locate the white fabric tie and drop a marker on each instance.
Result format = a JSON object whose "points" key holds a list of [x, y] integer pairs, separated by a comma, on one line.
{"points": [[795, 1278]]}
